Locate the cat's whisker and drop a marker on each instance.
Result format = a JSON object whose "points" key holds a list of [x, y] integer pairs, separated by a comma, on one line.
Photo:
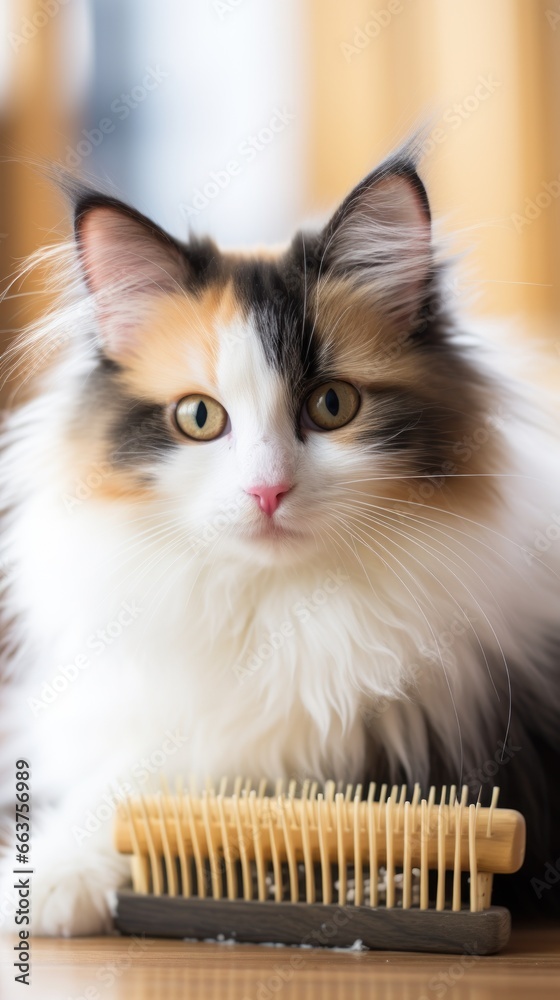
{"points": [[167, 538], [437, 525], [140, 540], [448, 513], [137, 573], [484, 614], [430, 549], [164, 568], [430, 629], [168, 569], [448, 475]]}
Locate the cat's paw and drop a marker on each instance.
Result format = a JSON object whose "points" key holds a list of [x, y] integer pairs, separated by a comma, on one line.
{"points": [[71, 892], [70, 903]]}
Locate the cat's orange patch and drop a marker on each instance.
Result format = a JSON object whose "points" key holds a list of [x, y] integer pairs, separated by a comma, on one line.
{"points": [[178, 344], [363, 344], [95, 477], [122, 487]]}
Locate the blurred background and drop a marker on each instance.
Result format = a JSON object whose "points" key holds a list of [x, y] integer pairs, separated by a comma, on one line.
{"points": [[244, 119]]}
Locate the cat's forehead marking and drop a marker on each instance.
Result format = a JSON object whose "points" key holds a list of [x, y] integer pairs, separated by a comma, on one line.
{"points": [[249, 384], [276, 293], [179, 343]]}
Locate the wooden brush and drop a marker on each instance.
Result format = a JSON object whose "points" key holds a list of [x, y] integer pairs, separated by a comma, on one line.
{"points": [[318, 868]]}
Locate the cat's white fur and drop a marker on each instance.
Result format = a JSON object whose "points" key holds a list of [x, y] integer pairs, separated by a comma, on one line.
{"points": [[188, 680]]}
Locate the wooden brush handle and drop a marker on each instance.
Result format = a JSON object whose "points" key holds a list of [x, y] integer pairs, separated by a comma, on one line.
{"points": [[322, 825]]}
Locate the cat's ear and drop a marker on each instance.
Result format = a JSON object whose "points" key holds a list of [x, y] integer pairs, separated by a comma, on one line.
{"points": [[125, 260], [380, 239]]}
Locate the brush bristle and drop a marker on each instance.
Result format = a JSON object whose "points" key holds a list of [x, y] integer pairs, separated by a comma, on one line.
{"points": [[306, 845]]}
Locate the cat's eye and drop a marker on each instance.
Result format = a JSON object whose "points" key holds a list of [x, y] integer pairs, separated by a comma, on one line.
{"points": [[332, 405], [200, 417]]}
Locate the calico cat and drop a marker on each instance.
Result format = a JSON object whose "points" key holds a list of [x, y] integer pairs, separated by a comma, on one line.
{"points": [[271, 514]]}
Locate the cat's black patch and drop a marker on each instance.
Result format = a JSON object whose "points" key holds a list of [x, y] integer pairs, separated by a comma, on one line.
{"points": [[140, 432], [397, 420], [105, 363], [278, 295], [136, 431], [206, 264]]}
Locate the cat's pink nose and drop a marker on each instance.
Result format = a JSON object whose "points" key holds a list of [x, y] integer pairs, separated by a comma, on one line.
{"points": [[269, 496]]}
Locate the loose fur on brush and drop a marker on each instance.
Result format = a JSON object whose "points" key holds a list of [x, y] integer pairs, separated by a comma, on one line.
{"points": [[396, 616]]}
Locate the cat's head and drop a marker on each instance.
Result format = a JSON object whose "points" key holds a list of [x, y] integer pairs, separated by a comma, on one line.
{"points": [[270, 399]]}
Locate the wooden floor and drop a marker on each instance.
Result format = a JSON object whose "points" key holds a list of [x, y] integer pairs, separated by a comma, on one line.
{"points": [[136, 969]]}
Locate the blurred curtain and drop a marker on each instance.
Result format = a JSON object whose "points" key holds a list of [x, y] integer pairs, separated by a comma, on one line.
{"points": [[43, 69], [487, 76]]}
